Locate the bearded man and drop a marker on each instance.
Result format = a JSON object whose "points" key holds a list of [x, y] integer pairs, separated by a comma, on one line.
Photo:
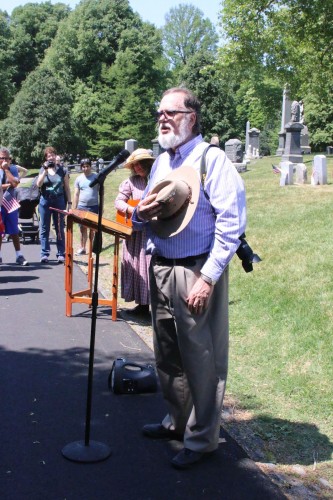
{"points": [[191, 247]]}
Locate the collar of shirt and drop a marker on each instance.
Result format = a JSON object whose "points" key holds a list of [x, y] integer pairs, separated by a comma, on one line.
{"points": [[177, 157]]}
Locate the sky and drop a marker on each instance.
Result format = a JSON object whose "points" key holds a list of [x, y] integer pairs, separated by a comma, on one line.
{"points": [[149, 10]]}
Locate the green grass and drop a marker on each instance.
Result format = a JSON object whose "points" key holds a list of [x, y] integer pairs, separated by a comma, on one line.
{"points": [[281, 361], [281, 344]]}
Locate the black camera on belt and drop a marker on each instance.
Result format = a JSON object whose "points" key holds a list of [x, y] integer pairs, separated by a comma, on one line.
{"points": [[246, 255], [49, 164]]}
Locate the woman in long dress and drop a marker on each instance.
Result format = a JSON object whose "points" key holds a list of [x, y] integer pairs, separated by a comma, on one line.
{"points": [[135, 262]]}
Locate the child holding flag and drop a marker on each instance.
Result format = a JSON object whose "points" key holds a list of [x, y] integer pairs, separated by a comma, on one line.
{"points": [[9, 179]]}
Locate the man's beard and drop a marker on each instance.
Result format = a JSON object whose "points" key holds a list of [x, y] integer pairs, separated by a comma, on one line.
{"points": [[172, 140]]}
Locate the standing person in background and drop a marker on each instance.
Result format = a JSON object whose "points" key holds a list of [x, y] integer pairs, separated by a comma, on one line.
{"points": [[85, 198], [9, 178], [53, 182], [191, 249], [22, 171], [135, 262], [2, 226]]}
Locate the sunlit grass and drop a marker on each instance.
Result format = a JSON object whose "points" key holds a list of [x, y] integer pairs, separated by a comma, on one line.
{"points": [[281, 344], [281, 361]]}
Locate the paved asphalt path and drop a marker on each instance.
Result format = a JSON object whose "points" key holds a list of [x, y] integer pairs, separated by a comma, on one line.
{"points": [[43, 387]]}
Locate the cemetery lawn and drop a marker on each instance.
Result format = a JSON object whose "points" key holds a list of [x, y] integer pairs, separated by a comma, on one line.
{"points": [[279, 401], [281, 328]]}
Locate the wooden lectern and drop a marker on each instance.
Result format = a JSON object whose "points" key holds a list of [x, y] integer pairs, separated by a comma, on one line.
{"points": [[90, 220]]}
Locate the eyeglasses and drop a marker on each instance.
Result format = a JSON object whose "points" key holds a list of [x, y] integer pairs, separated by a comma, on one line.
{"points": [[170, 113], [4, 158]]}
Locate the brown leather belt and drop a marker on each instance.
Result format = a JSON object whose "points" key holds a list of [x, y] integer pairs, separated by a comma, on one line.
{"points": [[158, 260]]}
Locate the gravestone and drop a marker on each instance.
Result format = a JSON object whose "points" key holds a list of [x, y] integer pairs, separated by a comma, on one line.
{"points": [[295, 112], [247, 139], [287, 172], [248, 155], [292, 150], [285, 118], [301, 173], [131, 145], [305, 148], [157, 149], [254, 141], [234, 150], [319, 171]]}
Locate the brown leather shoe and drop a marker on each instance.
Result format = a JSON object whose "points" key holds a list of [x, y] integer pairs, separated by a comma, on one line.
{"points": [[186, 458], [158, 431]]}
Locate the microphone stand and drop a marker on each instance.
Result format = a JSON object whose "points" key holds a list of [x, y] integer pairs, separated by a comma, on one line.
{"points": [[89, 451]]}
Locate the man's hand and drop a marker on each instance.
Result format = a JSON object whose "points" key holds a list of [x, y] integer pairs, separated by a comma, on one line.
{"points": [[5, 165], [11, 180], [148, 208], [198, 298]]}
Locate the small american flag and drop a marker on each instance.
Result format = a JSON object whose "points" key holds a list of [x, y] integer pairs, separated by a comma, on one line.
{"points": [[276, 169], [9, 203]]}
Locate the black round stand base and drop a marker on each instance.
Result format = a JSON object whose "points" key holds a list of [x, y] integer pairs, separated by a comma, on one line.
{"points": [[78, 451]]}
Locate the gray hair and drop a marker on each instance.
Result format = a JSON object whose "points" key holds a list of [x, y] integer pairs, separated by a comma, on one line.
{"points": [[5, 150], [191, 102]]}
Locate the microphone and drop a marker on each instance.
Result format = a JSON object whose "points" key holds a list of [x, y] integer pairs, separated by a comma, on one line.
{"points": [[117, 160]]}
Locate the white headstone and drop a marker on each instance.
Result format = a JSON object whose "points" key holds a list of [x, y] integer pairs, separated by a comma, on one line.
{"points": [[247, 136], [286, 107], [319, 172], [247, 156], [301, 173], [287, 172]]}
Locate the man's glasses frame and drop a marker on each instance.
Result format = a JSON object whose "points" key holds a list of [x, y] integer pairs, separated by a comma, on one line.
{"points": [[4, 158], [170, 113]]}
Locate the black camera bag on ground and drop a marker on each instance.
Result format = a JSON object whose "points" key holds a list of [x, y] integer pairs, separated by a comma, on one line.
{"points": [[131, 378]]}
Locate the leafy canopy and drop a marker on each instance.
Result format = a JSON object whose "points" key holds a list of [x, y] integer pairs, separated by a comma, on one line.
{"points": [[186, 32], [39, 116]]}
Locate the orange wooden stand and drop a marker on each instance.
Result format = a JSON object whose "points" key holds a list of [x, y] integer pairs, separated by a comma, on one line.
{"points": [[89, 220]]}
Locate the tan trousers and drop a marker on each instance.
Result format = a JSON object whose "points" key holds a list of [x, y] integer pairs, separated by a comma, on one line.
{"points": [[191, 353]]}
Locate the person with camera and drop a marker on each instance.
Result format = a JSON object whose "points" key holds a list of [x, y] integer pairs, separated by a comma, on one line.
{"points": [[53, 182], [9, 179], [193, 231], [85, 198]]}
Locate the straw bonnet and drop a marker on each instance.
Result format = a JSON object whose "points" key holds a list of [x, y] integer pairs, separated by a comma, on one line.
{"points": [[178, 194], [138, 155]]}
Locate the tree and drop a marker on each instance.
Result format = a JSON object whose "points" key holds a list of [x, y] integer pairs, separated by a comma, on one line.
{"points": [[258, 99], [289, 41], [130, 90], [7, 89], [40, 115], [89, 38], [185, 33], [32, 29], [102, 76], [217, 96]]}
